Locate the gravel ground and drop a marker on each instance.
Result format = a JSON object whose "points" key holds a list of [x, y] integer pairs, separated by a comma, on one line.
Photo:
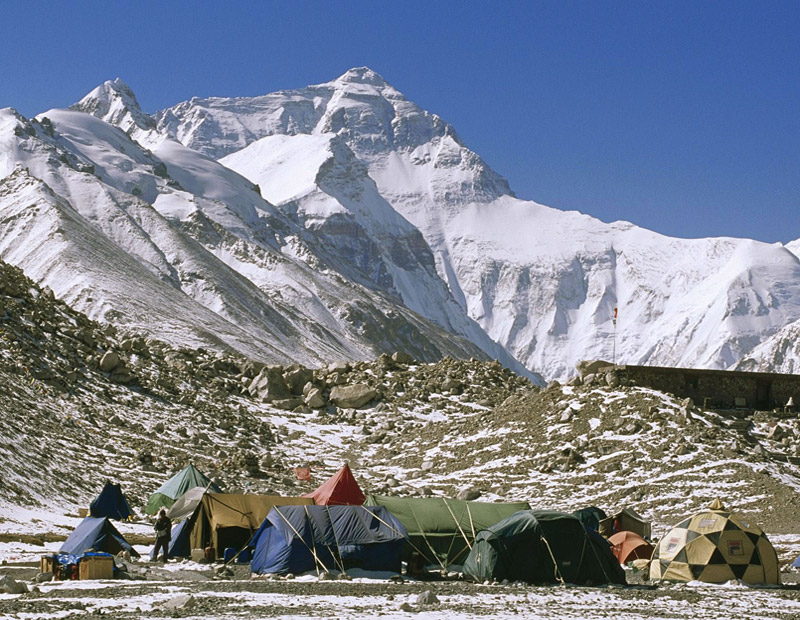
{"points": [[200, 595]]}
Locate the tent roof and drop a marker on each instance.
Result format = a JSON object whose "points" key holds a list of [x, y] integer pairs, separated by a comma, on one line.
{"points": [[96, 533], [247, 511], [339, 489], [542, 546], [176, 486], [186, 504], [336, 525], [627, 545], [433, 516], [111, 503]]}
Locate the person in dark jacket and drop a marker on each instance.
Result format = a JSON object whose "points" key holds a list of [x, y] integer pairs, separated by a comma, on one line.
{"points": [[163, 529]]}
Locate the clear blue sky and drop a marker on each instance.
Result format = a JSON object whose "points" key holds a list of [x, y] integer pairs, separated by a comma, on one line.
{"points": [[683, 117]]}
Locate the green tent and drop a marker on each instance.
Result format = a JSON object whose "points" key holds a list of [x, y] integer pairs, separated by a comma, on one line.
{"points": [[188, 478], [543, 546], [442, 530]]}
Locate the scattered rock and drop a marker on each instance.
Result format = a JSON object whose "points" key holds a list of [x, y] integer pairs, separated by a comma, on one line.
{"points": [[352, 396]]}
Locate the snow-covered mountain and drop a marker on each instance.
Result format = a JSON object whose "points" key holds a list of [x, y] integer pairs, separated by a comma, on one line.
{"points": [[341, 220], [543, 283], [171, 242]]}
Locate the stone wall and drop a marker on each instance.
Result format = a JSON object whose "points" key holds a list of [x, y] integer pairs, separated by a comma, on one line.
{"points": [[720, 389]]}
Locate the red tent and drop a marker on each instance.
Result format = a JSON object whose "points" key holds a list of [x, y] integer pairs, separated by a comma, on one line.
{"points": [[628, 546], [341, 489]]}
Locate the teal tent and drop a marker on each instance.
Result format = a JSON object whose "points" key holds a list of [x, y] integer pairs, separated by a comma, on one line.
{"points": [[542, 546], [189, 477]]}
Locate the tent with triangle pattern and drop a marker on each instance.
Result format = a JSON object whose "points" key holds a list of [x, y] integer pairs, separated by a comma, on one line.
{"points": [[716, 546], [341, 489]]}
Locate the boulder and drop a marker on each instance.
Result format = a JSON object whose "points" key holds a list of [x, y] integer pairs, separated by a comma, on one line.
{"points": [[314, 398], [109, 361], [297, 378], [352, 396], [182, 601], [269, 385], [468, 494], [9, 585], [427, 598], [400, 357], [339, 367], [288, 404], [587, 367]]}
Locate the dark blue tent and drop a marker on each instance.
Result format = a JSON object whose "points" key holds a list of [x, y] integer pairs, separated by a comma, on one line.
{"points": [[590, 517], [179, 545], [296, 539], [111, 503], [99, 534]]}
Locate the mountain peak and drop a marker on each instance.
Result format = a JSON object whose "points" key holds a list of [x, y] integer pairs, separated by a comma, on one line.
{"points": [[362, 75], [114, 102]]}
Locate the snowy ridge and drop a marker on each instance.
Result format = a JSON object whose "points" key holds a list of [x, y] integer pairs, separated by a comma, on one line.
{"points": [[219, 267], [303, 197], [541, 282]]}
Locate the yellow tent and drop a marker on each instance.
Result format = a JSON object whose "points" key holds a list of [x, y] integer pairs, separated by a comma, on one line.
{"points": [[228, 520], [716, 546]]}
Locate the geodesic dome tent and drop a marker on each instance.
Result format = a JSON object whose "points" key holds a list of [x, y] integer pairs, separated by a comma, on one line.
{"points": [[716, 546]]}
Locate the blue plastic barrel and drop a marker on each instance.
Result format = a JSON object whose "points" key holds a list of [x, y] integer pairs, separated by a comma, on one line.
{"points": [[244, 557], [229, 553]]}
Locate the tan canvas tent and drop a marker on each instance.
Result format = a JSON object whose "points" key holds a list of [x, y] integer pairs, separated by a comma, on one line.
{"points": [[227, 520], [716, 546]]}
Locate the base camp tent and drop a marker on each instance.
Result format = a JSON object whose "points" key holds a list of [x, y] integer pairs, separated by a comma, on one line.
{"points": [[296, 539], [442, 530], [341, 489], [186, 504], [176, 486], [224, 520], [629, 546], [541, 546], [590, 517], [626, 520], [179, 545], [98, 534], [111, 503], [716, 546]]}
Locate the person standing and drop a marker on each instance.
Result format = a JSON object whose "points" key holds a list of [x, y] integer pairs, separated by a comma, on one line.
{"points": [[163, 529]]}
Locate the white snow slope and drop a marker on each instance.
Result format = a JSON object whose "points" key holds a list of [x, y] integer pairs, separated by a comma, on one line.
{"points": [[543, 283], [372, 215], [170, 242]]}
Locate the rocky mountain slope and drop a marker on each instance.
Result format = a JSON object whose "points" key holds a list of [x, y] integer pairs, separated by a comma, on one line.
{"points": [[85, 402]]}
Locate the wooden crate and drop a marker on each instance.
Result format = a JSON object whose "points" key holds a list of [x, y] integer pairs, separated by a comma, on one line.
{"points": [[47, 564], [96, 567]]}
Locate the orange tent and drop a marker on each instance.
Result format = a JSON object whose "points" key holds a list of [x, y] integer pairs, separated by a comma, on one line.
{"points": [[628, 546], [341, 489]]}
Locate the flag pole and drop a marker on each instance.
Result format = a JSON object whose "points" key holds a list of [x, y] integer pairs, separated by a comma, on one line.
{"points": [[614, 339]]}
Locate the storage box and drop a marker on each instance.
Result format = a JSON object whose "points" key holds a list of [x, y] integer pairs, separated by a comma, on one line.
{"points": [[47, 564], [96, 567]]}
